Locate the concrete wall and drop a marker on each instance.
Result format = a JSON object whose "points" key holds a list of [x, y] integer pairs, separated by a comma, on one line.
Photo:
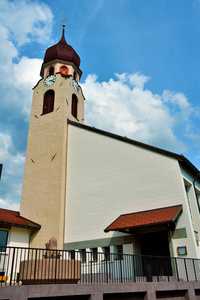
{"points": [[111, 178], [134, 291]]}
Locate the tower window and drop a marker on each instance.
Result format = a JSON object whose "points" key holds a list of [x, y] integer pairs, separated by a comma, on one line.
{"points": [[74, 106], [74, 75], [64, 70], [51, 70], [48, 104]]}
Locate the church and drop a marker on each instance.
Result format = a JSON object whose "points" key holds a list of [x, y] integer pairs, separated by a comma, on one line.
{"points": [[94, 190]]}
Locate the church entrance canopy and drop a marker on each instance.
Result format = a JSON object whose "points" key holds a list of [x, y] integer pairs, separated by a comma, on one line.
{"points": [[127, 223]]}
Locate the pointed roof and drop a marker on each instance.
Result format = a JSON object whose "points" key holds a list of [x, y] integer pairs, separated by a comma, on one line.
{"points": [[62, 51]]}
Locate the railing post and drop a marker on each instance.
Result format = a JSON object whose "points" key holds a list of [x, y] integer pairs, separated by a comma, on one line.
{"points": [[176, 268], [35, 266], [167, 267], [157, 269], [120, 263], [186, 269], [91, 266], [194, 269], [12, 266], [55, 267], [106, 266], [134, 269]]}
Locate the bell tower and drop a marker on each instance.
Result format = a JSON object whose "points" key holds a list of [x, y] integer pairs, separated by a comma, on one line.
{"points": [[56, 97]]}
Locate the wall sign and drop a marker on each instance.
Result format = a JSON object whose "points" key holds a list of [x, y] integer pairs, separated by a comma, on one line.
{"points": [[182, 250]]}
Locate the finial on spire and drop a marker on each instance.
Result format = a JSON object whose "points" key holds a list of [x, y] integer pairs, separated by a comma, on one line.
{"points": [[64, 21]]}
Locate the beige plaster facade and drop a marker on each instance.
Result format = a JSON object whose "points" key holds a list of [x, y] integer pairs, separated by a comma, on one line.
{"points": [[43, 191]]}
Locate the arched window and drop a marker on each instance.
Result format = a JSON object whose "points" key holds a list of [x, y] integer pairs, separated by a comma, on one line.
{"points": [[51, 71], [64, 70], [48, 104], [74, 106]]}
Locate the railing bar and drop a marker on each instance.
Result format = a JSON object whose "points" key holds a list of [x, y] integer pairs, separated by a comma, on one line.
{"points": [[186, 269], [99, 269], [91, 268], [134, 269], [55, 267], [27, 264], [31, 265], [7, 271], [106, 267], [4, 262], [177, 268], [194, 270], [157, 269], [39, 266], [43, 260], [11, 273], [19, 263], [15, 266], [35, 268]]}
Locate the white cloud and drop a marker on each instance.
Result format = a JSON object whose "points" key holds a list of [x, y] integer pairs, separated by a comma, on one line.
{"points": [[26, 72], [8, 204], [176, 98], [21, 22], [12, 174], [26, 20], [139, 114]]}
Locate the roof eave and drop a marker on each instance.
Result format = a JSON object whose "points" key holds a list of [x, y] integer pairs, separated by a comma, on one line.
{"points": [[20, 225]]}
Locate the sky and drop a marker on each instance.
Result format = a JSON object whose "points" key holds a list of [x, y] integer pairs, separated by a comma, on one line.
{"points": [[141, 72]]}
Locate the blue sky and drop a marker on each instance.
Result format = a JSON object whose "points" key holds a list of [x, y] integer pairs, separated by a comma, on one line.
{"points": [[141, 72]]}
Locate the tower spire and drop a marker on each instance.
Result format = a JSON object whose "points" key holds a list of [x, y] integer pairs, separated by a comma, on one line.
{"points": [[63, 31]]}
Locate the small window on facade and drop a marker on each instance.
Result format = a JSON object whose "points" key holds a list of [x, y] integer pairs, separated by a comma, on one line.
{"points": [[74, 106], [106, 251], [119, 252], [48, 104], [51, 71], [83, 255], [3, 240]]}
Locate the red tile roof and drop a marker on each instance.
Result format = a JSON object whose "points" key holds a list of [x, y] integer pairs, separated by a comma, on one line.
{"points": [[145, 218], [11, 217]]}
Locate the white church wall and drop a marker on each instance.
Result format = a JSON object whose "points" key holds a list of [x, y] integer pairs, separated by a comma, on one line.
{"points": [[19, 237], [107, 177]]}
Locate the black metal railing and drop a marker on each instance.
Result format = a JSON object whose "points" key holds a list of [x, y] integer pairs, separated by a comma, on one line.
{"points": [[40, 266]]}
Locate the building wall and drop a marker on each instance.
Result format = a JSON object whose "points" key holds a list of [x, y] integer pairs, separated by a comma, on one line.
{"points": [[19, 237], [107, 177]]}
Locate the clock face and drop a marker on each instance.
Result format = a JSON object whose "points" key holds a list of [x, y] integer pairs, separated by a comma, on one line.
{"points": [[75, 85], [49, 80]]}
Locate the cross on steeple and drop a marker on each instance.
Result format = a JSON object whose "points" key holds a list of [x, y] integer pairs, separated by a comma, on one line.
{"points": [[64, 20]]}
